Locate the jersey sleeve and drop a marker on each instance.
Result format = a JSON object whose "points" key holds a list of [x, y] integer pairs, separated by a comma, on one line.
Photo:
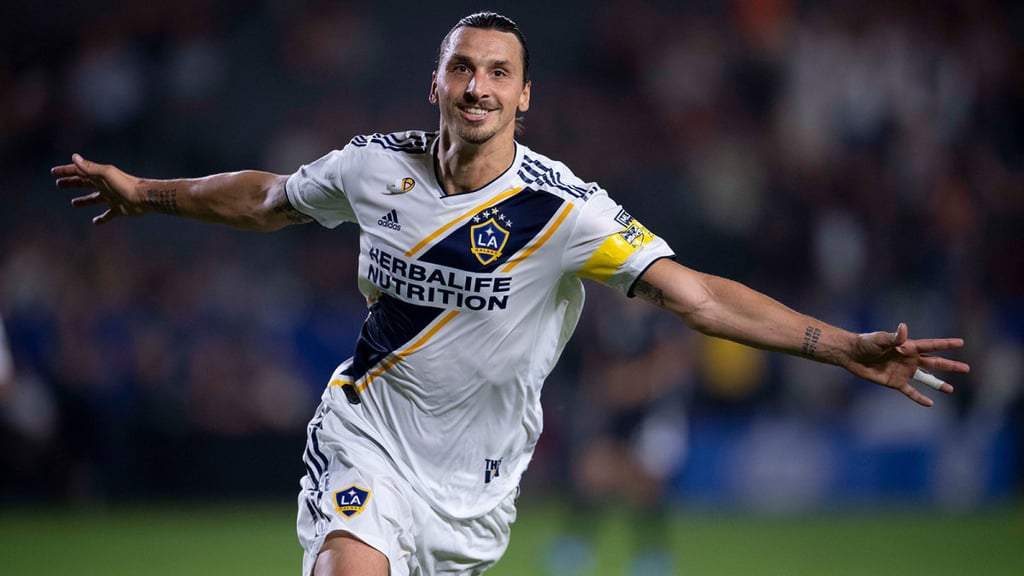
{"points": [[317, 189], [609, 246]]}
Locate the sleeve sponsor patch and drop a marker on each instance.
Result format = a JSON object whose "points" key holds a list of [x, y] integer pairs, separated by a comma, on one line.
{"points": [[623, 218], [635, 234], [615, 250]]}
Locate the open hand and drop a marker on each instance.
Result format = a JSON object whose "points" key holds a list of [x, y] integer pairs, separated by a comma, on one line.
{"points": [[111, 187], [894, 361]]}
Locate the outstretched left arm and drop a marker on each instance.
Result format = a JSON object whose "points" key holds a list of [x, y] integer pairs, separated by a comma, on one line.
{"points": [[726, 309]]}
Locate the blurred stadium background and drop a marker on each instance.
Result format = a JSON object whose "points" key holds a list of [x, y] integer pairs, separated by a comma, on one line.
{"points": [[859, 161]]}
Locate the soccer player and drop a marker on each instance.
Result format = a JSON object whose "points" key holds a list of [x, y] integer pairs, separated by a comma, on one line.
{"points": [[472, 247]]}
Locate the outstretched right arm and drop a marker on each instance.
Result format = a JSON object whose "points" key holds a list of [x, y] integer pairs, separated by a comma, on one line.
{"points": [[251, 200]]}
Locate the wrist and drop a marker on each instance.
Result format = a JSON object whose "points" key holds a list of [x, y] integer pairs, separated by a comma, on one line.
{"points": [[158, 196], [847, 344], [828, 344]]}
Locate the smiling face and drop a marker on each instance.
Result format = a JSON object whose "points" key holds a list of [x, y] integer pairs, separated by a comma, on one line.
{"points": [[479, 85]]}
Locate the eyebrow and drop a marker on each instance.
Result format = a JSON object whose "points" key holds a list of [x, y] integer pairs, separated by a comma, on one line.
{"points": [[463, 59]]}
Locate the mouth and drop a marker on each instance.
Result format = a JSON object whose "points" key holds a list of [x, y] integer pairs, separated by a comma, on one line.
{"points": [[474, 114]]}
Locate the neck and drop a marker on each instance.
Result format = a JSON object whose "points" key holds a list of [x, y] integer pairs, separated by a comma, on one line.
{"points": [[464, 167]]}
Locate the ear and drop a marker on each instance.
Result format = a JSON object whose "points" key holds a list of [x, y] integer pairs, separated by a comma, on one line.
{"points": [[432, 97], [524, 98]]}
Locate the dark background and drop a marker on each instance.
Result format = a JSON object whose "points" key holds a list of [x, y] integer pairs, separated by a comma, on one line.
{"points": [[859, 161]]}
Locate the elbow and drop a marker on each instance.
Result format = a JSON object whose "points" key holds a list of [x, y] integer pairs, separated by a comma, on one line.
{"points": [[688, 294], [700, 320], [257, 219], [274, 211], [698, 309], [261, 223]]}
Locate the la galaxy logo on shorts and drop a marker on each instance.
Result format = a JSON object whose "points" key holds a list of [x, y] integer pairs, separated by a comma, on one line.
{"points": [[351, 501], [488, 238]]}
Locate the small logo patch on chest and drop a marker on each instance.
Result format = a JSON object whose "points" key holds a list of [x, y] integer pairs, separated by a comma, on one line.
{"points": [[390, 221], [400, 186]]}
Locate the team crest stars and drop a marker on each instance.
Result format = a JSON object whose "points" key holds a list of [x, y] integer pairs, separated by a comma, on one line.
{"points": [[493, 213]]}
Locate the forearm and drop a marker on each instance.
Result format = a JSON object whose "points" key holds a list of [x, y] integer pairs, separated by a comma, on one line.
{"points": [[726, 309], [738, 313], [251, 200]]}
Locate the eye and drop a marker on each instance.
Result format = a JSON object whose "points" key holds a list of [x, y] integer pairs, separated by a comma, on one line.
{"points": [[460, 68]]}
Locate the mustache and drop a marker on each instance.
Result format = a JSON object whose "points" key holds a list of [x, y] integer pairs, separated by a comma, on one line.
{"points": [[475, 103]]}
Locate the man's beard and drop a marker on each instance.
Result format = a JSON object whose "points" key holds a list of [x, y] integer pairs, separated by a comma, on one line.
{"points": [[475, 134]]}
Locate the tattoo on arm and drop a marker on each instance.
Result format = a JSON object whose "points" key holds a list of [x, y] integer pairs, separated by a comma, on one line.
{"points": [[165, 201], [811, 337], [283, 207], [650, 293]]}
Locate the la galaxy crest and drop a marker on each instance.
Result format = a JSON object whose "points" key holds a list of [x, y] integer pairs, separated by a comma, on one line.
{"points": [[351, 501], [488, 238]]}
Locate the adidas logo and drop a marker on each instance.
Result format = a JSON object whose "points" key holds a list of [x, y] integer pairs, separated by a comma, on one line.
{"points": [[390, 220]]}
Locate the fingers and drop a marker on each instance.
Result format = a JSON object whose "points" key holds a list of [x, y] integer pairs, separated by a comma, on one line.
{"points": [[895, 348], [65, 171], [74, 182], [933, 344], [87, 167], [923, 378], [944, 364], [79, 167], [88, 200], [905, 345], [900, 336], [107, 216], [912, 393], [82, 173], [930, 380], [78, 174], [921, 349]]}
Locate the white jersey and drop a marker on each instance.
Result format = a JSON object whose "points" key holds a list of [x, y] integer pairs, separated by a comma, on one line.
{"points": [[472, 298]]}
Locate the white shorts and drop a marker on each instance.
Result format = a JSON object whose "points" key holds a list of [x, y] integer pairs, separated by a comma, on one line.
{"points": [[351, 486]]}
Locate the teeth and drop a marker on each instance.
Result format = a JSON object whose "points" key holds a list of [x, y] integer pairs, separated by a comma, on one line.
{"points": [[476, 111]]}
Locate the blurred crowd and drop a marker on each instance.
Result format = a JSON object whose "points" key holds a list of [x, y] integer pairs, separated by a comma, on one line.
{"points": [[859, 161]]}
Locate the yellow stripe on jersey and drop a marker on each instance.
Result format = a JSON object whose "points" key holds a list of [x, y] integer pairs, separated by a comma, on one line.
{"points": [[395, 357], [615, 250], [465, 216], [540, 242]]}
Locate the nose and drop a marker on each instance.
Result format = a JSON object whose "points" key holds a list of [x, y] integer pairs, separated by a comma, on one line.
{"points": [[476, 87]]}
